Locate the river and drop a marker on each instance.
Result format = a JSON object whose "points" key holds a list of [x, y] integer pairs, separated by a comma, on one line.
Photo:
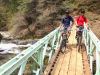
{"points": [[11, 47]]}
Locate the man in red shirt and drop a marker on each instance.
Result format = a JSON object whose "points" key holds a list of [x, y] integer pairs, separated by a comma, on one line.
{"points": [[80, 20]]}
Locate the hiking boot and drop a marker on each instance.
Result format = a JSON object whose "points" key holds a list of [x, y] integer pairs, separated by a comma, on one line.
{"points": [[75, 37], [67, 41]]}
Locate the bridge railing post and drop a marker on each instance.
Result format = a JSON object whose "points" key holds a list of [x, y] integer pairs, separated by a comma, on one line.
{"points": [[91, 63], [97, 62], [58, 40], [86, 39], [91, 49], [22, 68]]}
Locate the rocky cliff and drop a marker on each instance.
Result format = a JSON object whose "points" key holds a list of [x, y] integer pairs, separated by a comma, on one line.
{"points": [[36, 18]]}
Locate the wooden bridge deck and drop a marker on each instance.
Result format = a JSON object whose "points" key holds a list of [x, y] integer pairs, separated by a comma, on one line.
{"points": [[71, 62]]}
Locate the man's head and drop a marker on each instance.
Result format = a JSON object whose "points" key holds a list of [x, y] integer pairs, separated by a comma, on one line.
{"points": [[81, 11], [67, 12]]}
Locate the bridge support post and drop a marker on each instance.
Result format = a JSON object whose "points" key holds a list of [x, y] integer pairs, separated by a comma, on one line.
{"points": [[21, 71], [58, 41], [91, 63], [88, 43], [91, 49], [97, 62]]}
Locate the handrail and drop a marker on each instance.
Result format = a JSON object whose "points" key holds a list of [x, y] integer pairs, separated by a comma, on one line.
{"points": [[92, 44], [37, 52]]}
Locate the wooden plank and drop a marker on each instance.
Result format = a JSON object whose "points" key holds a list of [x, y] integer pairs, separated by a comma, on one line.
{"points": [[72, 65], [58, 65], [65, 64], [48, 68], [86, 66], [79, 64], [62, 64]]}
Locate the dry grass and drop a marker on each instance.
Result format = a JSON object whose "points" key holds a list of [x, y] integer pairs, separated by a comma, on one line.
{"points": [[94, 20]]}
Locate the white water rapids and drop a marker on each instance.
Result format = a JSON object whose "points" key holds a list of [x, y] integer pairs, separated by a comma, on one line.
{"points": [[11, 48]]}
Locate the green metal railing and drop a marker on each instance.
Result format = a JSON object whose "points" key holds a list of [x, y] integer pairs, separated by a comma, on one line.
{"points": [[92, 44], [44, 47]]}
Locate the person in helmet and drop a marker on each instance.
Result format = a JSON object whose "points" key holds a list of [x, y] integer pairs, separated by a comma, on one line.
{"points": [[67, 22], [80, 20]]}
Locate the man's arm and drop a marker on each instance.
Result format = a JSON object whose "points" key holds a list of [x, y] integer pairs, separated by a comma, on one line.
{"points": [[61, 23], [86, 22], [85, 19], [72, 20]]}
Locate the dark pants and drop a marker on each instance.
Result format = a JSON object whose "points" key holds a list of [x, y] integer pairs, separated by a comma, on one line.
{"points": [[79, 30]]}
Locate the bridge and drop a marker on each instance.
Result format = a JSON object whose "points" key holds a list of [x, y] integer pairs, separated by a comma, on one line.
{"points": [[45, 58]]}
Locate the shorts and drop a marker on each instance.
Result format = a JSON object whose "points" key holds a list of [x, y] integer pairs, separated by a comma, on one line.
{"points": [[79, 28], [67, 29]]}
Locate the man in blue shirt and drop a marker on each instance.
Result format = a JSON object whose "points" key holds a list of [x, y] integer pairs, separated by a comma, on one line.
{"points": [[67, 22]]}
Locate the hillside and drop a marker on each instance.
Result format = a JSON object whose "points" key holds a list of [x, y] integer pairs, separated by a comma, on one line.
{"points": [[36, 18], [93, 14]]}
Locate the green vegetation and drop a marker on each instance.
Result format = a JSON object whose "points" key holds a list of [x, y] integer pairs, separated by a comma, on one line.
{"points": [[70, 4], [8, 8], [36, 18]]}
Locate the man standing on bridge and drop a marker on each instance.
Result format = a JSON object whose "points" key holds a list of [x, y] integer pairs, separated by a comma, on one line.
{"points": [[67, 23], [80, 20]]}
